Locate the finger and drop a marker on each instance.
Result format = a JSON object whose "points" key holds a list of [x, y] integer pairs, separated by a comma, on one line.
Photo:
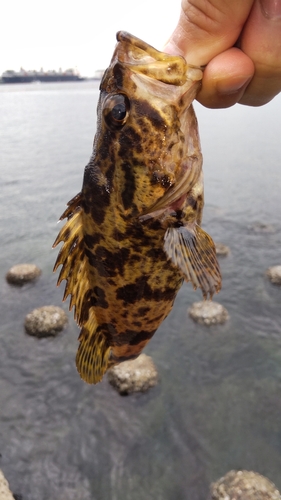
{"points": [[225, 79], [207, 27], [261, 41]]}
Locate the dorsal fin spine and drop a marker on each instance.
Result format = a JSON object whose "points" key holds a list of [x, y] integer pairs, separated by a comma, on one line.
{"points": [[93, 352]]}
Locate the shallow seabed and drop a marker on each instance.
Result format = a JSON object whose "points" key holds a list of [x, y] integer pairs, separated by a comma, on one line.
{"points": [[218, 403]]}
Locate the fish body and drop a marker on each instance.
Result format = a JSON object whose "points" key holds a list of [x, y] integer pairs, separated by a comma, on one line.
{"points": [[133, 232]]}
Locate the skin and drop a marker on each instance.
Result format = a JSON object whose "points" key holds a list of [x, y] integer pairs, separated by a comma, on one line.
{"points": [[238, 42]]}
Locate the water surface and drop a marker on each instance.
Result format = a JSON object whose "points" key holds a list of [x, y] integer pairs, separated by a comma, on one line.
{"points": [[218, 403]]}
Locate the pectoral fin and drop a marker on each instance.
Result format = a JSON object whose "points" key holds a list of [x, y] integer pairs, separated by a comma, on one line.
{"points": [[192, 250]]}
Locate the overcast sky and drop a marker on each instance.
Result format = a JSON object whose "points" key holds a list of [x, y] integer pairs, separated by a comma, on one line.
{"points": [[80, 33]]}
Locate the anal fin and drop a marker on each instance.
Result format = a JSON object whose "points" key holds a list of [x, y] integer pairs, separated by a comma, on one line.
{"points": [[92, 358], [193, 252]]}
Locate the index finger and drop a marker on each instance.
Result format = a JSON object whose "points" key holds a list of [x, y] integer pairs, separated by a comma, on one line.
{"points": [[261, 41]]}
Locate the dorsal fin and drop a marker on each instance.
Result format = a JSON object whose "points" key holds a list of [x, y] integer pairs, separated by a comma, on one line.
{"points": [[93, 352], [72, 257], [193, 251]]}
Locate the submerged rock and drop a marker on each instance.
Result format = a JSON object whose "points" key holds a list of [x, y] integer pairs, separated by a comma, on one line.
{"points": [[5, 492], [22, 273], [45, 321], [243, 485], [222, 250], [136, 375], [274, 274], [208, 312], [261, 227]]}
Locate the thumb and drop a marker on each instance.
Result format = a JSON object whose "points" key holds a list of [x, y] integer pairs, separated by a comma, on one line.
{"points": [[207, 27]]}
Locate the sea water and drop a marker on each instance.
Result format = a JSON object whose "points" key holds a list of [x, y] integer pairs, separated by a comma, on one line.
{"points": [[218, 403]]}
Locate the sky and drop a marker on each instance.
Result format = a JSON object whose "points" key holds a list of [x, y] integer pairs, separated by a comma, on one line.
{"points": [[78, 34]]}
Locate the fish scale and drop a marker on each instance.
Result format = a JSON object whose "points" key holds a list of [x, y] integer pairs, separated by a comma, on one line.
{"points": [[133, 233]]}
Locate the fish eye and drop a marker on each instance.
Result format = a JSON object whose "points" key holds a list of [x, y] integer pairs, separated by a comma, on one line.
{"points": [[116, 110]]}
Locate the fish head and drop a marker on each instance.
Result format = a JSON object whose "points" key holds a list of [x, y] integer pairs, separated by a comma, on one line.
{"points": [[147, 125]]}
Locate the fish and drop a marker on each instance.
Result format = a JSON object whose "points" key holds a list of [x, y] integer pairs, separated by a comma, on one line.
{"points": [[133, 233]]}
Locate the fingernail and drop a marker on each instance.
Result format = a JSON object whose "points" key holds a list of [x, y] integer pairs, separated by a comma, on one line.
{"points": [[271, 8], [171, 48]]}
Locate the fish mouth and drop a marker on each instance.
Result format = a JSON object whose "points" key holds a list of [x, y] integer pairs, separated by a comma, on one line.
{"points": [[142, 58]]}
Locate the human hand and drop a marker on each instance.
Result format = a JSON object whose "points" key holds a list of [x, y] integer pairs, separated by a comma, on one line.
{"points": [[239, 41]]}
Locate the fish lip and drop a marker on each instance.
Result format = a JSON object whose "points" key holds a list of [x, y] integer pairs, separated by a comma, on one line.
{"points": [[125, 36], [140, 57]]}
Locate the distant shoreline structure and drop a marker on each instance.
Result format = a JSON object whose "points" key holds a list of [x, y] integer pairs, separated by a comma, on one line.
{"points": [[98, 74], [23, 76], [70, 75]]}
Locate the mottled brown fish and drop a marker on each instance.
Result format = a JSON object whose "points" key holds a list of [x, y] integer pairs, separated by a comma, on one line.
{"points": [[133, 233]]}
